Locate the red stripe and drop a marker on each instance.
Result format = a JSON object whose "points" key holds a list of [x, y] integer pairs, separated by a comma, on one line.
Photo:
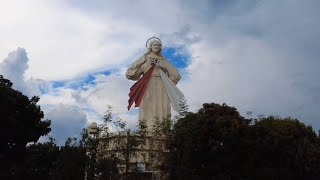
{"points": [[138, 89]]}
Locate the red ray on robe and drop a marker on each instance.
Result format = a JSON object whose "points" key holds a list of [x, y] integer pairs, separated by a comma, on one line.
{"points": [[138, 89]]}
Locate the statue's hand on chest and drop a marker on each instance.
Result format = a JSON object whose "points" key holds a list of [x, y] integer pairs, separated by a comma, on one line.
{"points": [[159, 62], [154, 60]]}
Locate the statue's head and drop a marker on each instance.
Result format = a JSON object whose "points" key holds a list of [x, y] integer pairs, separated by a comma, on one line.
{"points": [[154, 44]]}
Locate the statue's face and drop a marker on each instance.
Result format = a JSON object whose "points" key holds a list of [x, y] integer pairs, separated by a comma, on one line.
{"points": [[155, 47]]}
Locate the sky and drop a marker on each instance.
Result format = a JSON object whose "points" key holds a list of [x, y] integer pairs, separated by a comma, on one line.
{"points": [[256, 55]]}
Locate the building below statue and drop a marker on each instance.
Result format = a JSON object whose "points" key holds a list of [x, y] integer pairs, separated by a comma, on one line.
{"points": [[137, 155]]}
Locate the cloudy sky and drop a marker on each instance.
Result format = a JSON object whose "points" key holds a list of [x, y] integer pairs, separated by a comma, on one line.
{"points": [[256, 55]]}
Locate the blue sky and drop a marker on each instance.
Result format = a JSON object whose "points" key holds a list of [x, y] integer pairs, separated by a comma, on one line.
{"points": [[259, 56]]}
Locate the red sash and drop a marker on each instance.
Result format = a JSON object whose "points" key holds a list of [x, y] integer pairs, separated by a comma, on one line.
{"points": [[138, 89]]}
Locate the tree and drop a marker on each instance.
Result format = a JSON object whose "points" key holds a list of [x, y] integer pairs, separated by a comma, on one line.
{"points": [[98, 164], [71, 162], [21, 123], [41, 160], [218, 143], [202, 140], [285, 148], [124, 143]]}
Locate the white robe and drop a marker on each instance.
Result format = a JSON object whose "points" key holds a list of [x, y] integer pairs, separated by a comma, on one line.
{"points": [[155, 102]]}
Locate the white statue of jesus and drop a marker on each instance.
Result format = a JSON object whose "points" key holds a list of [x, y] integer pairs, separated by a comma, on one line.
{"points": [[154, 90]]}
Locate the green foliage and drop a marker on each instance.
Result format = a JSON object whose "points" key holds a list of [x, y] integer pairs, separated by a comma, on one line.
{"points": [[218, 143], [200, 139], [107, 168], [21, 123], [285, 147], [72, 160], [142, 130], [41, 161], [111, 121]]}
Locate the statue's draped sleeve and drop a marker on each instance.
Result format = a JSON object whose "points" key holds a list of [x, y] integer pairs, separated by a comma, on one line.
{"points": [[135, 71]]}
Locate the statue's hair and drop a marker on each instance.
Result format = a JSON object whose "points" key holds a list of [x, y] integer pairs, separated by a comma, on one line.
{"points": [[153, 39]]}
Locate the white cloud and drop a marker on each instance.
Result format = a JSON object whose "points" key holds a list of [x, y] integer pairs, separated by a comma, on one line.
{"points": [[259, 61], [64, 42], [94, 100], [14, 67]]}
